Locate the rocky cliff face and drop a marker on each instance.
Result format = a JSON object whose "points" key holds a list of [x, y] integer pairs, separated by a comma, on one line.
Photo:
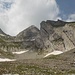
{"points": [[58, 35], [53, 35], [31, 38]]}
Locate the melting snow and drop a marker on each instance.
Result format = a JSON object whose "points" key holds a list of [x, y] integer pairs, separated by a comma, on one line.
{"points": [[6, 59], [53, 53], [20, 52], [32, 39]]}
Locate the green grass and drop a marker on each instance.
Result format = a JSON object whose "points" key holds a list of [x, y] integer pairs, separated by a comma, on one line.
{"points": [[2, 40], [6, 54], [29, 69], [26, 69], [72, 72], [8, 43]]}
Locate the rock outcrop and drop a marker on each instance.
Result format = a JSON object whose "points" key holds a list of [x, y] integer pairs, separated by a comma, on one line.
{"points": [[31, 38], [52, 35], [8, 43], [58, 35]]}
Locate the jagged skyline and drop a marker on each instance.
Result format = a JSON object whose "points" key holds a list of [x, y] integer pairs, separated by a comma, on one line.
{"points": [[16, 15]]}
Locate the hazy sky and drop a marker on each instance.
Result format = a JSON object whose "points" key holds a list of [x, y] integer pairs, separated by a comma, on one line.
{"points": [[17, 15]]}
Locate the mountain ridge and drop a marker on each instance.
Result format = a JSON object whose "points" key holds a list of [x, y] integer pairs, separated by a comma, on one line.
{"points": [[52, 35]]}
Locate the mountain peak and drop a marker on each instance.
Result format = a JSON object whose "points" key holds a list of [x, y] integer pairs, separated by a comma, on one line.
{"points": [[29, 31], [57, 23]]}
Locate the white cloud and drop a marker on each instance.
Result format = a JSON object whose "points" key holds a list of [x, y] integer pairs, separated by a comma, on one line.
{"points": [[24, 13], [71, 17]]}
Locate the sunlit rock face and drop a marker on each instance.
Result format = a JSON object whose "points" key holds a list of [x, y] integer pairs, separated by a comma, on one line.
{"points": [[52, 36], [58, 35]]}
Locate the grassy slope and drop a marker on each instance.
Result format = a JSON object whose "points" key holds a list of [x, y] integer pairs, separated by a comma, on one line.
{"points": [[54, 65], [4, 54], [23, 68]]}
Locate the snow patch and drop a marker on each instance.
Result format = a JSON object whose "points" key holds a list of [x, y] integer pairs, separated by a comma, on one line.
{"points": [[32, 40], [53, 53], [6, 59], [20, 52]]}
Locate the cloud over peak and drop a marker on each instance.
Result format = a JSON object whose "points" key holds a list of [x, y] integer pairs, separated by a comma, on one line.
{"points": [[71, 17], [24, 13]]}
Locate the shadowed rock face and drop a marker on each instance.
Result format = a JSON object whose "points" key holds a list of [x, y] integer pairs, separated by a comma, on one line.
{"points": [[58, 23], [53, 35], [31, 38]]}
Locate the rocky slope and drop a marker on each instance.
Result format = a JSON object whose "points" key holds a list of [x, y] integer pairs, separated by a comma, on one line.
{"points": [[58, 35], [31, 38], [53, 35]]}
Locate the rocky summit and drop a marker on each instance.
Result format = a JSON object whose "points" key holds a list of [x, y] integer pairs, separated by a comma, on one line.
{"points": [[52, 35], [58, 35]]}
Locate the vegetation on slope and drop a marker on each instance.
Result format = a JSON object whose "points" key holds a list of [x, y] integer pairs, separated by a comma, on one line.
{"points": [[31, 69], [4, 54]]}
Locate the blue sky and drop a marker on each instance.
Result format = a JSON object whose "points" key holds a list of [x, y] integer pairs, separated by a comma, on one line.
{"points": [[17, 15], [66, 7]]}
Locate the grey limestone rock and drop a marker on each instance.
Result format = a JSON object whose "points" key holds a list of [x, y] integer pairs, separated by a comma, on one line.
{"points": [[52, 35]]}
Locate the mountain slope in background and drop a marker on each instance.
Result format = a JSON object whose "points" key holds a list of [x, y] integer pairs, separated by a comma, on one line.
{"points": [[52, 36], [34, 51]]}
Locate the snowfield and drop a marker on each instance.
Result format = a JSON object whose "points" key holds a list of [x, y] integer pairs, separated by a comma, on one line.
{"points": [[20, 52], [53, 53], [6, 59]]}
